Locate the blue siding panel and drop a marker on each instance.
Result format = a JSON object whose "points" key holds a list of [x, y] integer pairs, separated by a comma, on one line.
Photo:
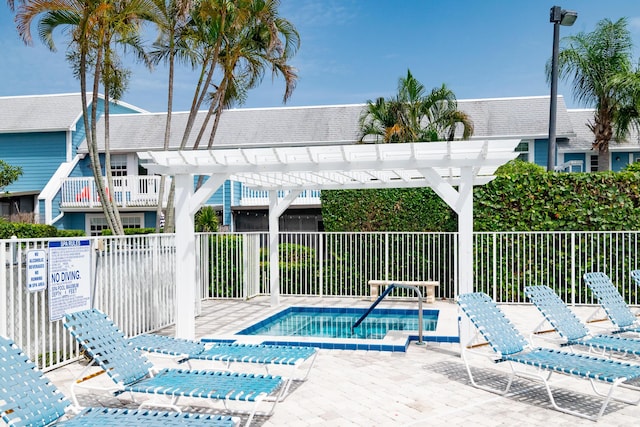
{"points": [[540, 152], [619, 160], [121, 109], [237, 193], [72, 221], [149, 220], [39, 155]]}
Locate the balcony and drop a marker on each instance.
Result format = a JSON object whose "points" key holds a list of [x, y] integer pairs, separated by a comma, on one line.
{"points": [[128, 191], [251, 197]]}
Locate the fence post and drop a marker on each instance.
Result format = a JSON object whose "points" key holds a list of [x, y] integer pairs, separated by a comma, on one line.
{"points": [[495, 266], [573, 268], [4, 266], [386, 256], [321, 264]]}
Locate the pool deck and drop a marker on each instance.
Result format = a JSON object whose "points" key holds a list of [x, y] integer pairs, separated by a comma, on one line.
{"points": [[426, 385]]}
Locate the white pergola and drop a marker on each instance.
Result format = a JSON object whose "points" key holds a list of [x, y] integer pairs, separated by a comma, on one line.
{"points": [[451, 169]]}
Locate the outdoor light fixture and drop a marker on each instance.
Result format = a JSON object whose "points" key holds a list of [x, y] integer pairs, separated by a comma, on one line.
{"points": [[558, 16]]}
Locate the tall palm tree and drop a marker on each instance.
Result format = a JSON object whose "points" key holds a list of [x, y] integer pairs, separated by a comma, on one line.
{"points": [[94, 25], [237, 40], [414, 115], [171, 19], [601, 66]]}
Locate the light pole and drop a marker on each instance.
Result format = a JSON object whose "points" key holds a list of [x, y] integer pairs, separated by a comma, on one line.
{"points": [[559, 17]]}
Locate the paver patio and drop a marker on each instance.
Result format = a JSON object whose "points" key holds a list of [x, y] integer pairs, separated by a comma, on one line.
{"points": [[427, 385]]}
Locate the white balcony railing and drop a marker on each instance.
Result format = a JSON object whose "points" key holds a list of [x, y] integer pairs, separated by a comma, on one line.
{"points": [[127, 191], [251, 197]]}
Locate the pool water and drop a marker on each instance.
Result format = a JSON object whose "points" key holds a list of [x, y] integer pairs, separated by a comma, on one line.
{"points": [[330, 322]]}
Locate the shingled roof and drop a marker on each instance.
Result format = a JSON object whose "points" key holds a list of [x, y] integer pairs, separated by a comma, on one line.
{"points": [[524, 117], [43, 113], [239, 127], [583, 139]]}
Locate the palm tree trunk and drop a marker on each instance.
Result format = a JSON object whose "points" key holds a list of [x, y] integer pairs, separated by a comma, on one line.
{"points": [[110, 199], [207, 69], [167, 127]]}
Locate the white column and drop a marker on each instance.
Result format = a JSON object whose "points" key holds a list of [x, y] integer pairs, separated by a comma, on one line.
{"points": [[276, 208], [185, 258], [274, 262], [465, 245]]}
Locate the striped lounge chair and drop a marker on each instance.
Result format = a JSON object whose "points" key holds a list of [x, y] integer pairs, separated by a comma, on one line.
{"points": [[183, 350], [130, 371], [28, 398], [508, 345], [572, 330], [612, 302]]}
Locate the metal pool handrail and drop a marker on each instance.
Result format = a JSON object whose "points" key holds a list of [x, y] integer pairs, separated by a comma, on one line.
{"points": [[386, 292]]}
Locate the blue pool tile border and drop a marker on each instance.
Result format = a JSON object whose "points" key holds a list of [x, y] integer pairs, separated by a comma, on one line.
{"points": [[332, 310], [350, 344]]}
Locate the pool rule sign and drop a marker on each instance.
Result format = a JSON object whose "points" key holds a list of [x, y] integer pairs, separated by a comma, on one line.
{"points": [[69, 277]]}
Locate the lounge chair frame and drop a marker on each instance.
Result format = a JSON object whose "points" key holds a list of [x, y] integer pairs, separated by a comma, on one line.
{"points": [[508, 345], [129, 371]]}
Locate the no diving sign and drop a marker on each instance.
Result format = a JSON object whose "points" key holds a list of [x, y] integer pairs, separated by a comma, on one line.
{"points": [[69, 277]]}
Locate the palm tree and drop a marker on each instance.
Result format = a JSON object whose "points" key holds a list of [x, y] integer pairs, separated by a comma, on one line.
{"points": [[381, 120], [414, 115], [171, 20], [603, 74], [94, 26], [240, 40]]}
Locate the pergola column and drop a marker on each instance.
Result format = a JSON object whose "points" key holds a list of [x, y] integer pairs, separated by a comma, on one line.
{"points": [[185, 259], [276, 208], [187, 203]]}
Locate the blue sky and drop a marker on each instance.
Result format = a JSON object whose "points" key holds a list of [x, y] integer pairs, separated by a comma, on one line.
{"points": [[355, 50]]}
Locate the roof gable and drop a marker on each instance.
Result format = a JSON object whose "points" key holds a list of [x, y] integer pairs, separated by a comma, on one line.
{"points": [[43, 113]]}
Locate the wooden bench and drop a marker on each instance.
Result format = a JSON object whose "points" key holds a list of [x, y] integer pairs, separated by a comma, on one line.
{"points": [[428, 288]]}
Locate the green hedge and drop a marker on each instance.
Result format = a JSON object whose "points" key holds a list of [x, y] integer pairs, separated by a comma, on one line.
{"points": [[602, 201], [33, 231], [131, 231], [523, 197], [398, 209]]}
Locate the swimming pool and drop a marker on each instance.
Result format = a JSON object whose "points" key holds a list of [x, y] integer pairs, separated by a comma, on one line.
{"points": [[330, 327]]}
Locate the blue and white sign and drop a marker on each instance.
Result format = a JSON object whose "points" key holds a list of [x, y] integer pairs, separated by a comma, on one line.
{"points": [[69, 277], [36, 270]]}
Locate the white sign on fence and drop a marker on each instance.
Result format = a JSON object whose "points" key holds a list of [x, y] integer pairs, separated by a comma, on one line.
{"points": [[69, 277], [36, 270]]}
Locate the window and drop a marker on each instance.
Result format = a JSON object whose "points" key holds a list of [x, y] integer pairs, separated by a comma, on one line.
{"points": [[523, 149], [97, 223], [118, 168]]}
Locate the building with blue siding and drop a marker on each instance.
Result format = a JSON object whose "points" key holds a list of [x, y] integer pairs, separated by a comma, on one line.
{"points": [[45, 136], [41, 134]]}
